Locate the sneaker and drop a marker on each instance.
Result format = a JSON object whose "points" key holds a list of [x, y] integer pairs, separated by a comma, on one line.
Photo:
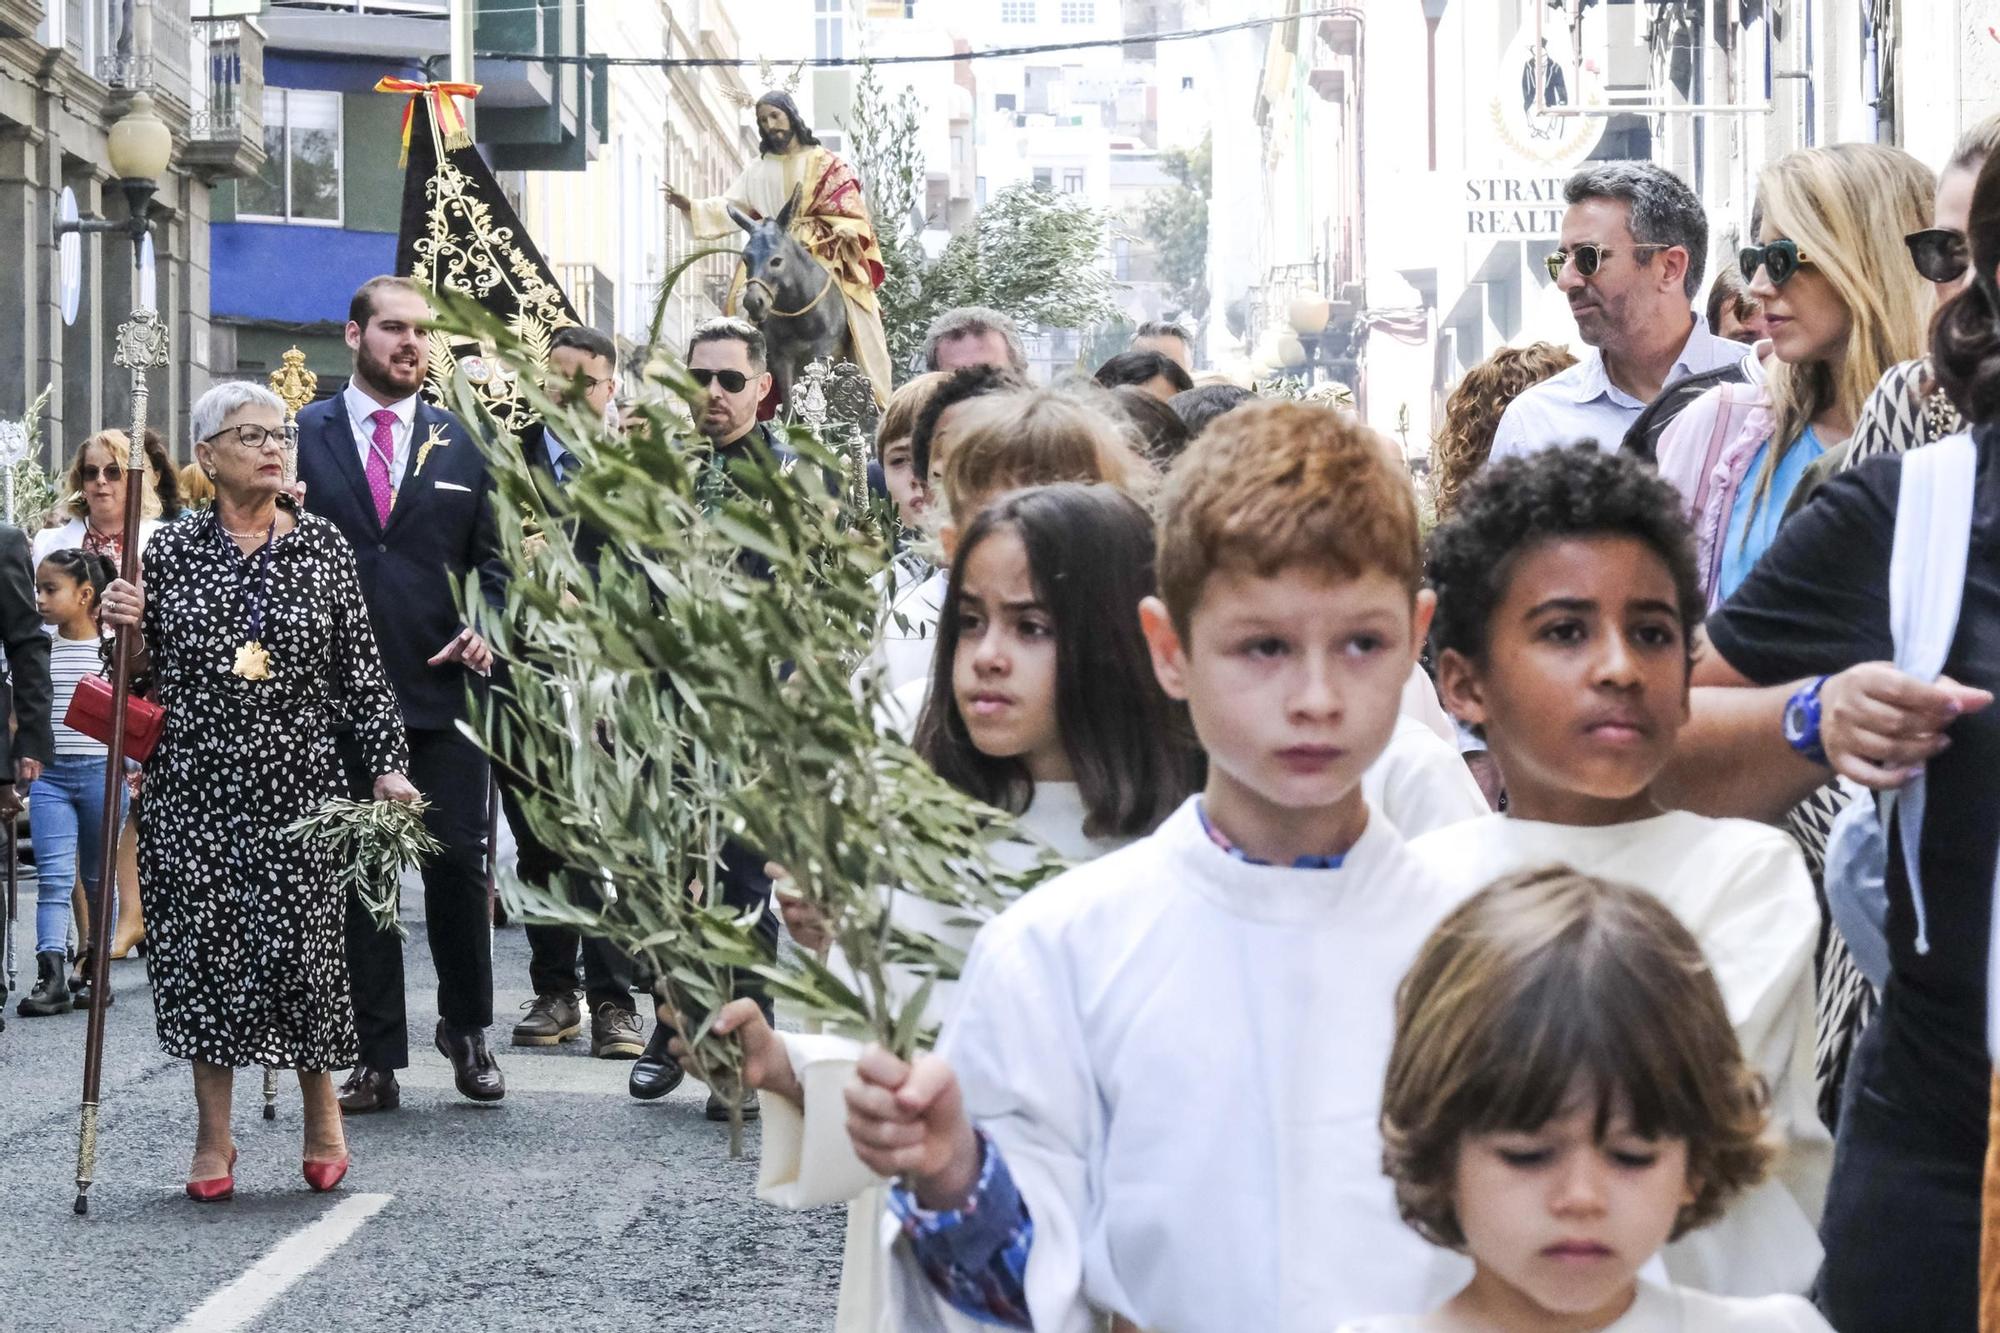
{"points": [[615, 1033], [718, 1105], [551, 1020]]}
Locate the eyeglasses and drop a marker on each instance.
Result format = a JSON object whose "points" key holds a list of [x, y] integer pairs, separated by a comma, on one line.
{"points": [[249, 435], [589, 382], [1590, 258], [91, 472], [732, 381], [1781, 259], [1940, 253]]}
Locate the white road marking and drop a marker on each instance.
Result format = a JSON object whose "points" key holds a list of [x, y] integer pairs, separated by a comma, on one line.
{"points": [[234, 1306]]}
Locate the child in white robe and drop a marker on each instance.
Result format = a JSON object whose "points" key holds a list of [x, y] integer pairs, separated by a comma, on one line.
{"points": [[1566, 604], [1565, 1094], [1155, 1096], [1046, 706]]}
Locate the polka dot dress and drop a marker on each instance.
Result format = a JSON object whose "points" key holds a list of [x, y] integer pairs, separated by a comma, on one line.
{"points": [[244, 927]]}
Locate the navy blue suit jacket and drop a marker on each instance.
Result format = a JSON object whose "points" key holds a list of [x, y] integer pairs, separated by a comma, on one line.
{"points": [[441, 528]]}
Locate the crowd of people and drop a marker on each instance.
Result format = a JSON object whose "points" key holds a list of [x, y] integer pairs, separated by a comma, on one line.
{"points": [[1511, 899]]}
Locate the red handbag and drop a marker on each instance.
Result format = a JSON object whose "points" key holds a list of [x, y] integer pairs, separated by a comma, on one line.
{"points": [[90, 713]]}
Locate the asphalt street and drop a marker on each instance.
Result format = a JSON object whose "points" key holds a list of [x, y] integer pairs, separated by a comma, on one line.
{"points": [[567, 1205]]}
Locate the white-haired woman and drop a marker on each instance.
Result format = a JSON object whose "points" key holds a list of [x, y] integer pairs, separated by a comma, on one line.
{"points": [[255, 632], [94, 495]]}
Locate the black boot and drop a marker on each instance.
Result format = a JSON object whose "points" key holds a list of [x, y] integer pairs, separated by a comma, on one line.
{"points": [[51, 994], [79, 985]]}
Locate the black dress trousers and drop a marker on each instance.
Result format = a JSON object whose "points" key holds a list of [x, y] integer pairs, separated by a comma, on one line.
{"points": [[451, 772]]}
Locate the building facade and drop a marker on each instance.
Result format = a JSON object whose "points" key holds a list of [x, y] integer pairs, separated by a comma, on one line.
{"points": [[1410, 157], [71, 67], [292, 242]]}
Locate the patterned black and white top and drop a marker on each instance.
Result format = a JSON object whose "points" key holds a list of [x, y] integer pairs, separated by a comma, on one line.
{"points": [[244, 926]]}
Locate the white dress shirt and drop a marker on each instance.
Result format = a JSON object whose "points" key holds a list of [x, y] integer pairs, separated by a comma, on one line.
{"points": [[1581, 403], [361, 410]]}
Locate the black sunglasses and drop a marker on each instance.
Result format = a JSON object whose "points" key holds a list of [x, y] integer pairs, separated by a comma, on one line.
{"points": [[1940, 253], [732, 381], [1590, 258], [1781, 259], [91, 472]]}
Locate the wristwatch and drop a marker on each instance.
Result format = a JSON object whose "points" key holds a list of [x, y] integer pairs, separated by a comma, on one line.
{"points": [[1802, 722]]}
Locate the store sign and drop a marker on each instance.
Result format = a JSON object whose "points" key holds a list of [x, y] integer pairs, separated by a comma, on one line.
{"points": [[1541, 84], [1529, 206]]}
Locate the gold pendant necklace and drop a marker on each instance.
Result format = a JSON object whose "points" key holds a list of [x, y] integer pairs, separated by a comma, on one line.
{"points": [[252, 662]]}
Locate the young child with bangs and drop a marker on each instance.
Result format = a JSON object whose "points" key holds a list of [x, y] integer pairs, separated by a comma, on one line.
{"points": [[998, 443], [1565, 1096], [1156, 1094], [1567, 601]]}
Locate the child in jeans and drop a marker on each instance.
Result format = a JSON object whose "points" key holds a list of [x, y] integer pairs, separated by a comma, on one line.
{"points": [[1566, 1095], [67, 800]]}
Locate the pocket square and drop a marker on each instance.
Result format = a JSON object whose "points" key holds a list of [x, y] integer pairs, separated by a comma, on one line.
{"points": [[452, 486]]}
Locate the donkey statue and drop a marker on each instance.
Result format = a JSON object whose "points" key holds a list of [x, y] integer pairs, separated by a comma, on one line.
{"points": [[791, 297]]}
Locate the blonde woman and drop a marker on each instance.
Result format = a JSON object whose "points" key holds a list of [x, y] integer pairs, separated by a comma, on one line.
{"points": [[1842, 304], [94, 492], [1472, 414]]}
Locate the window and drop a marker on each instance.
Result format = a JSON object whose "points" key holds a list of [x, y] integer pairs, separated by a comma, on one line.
{"points": [[1072, 182], [1045, 178], [1017, 11], [1079, 11], [1003, 101], [300, 179], [1187, 82], [827, 26]]}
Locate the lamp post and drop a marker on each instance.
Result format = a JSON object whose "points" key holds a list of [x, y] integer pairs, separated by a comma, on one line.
{"points": [[140, 148], [1307, 315]]}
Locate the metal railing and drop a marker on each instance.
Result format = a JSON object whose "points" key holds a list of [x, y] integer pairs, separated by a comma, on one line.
{"points": [[592, 293], [224, 87]]}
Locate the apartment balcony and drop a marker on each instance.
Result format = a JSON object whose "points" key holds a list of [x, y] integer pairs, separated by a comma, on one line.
{"points": [[593, 295], [226, 122]]}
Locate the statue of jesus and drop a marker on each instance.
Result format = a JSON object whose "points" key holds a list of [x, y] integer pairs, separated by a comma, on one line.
{"points": [[831, 220]]}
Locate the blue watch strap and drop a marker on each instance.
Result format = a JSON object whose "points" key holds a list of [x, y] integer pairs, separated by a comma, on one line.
{"points": [[1802, 719]]}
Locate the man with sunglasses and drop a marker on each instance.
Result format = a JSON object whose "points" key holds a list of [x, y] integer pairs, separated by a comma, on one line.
{"points": [[726, 358], [407, 486], [1630, 261]]}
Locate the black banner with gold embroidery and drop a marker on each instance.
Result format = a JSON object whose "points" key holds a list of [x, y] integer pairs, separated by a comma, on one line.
{"points": [[460, 233]]}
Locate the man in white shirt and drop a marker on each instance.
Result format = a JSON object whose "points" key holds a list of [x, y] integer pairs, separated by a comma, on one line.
{"points": [[1633, 242]]}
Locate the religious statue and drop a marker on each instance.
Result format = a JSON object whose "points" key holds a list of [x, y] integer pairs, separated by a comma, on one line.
{"points": [[798, 201]]}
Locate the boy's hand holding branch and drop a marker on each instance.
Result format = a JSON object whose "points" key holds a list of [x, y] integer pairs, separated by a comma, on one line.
{"points": [[908, 1120]]}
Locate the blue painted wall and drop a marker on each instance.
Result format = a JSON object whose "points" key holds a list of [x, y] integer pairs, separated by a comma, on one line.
{"points": [[267, 270]]}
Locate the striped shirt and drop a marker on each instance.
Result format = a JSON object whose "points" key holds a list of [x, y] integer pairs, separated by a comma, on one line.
{"points": [[70, 660]]}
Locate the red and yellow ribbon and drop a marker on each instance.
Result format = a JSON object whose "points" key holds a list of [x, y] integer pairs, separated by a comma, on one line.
{"points": [[450, 121]]}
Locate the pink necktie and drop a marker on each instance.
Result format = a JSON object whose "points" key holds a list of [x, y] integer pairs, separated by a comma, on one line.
{"points": [[379, 454]]}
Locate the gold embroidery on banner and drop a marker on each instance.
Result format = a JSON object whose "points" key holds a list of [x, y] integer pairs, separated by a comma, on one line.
{"points": [[479, 258]]}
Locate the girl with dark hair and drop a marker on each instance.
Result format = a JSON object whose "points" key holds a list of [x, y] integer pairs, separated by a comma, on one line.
{"points": [[1042, 692], [1793, 685], [68, 798], [1044, 704]]}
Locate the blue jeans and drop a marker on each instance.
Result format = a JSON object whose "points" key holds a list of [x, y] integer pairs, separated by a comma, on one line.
{"points": [[66, 825]]}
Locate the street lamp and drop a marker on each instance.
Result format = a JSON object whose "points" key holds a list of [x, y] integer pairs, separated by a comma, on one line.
{"points": [[1308, 315], [140, 146]]}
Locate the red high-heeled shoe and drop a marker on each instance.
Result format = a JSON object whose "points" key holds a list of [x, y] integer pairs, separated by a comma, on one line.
{"points": [[216, 1189], [323, 1176]]}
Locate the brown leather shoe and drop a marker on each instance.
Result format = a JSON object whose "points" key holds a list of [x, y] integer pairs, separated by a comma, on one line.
{"points": [[370, 1089], [472, 1065]]}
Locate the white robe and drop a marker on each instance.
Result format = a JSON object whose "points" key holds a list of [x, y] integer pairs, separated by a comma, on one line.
{"points": [[1180, 1056], [1742, 891], [806, 1159], [1658, 1309], [1421, 782]]}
